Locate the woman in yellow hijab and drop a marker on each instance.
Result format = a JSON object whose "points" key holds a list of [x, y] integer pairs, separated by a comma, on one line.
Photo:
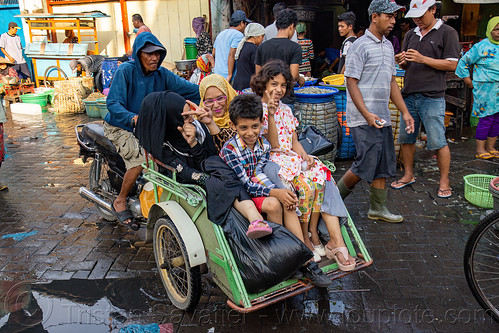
{"points": [[216, 95]]}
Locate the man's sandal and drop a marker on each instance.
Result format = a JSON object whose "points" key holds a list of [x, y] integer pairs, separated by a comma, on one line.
{"points": [[256, 231], [125, 215]]}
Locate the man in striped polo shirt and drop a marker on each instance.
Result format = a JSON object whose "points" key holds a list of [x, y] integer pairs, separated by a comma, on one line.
{"points": [[370, 77]]}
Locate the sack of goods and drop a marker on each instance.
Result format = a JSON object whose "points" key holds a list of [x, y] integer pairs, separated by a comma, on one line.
{"points": [[267, 261]]}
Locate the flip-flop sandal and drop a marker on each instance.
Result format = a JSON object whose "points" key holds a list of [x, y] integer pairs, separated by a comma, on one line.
{"points": [[484, 156], [255, 231], [395, 185], [442, 191], [125, 215], [333, 254], [495, 153]]}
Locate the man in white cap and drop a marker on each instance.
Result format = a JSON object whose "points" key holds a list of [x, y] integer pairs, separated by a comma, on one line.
{"points": [[224, 48], [428, 52], [10, 45], [370, 78]]}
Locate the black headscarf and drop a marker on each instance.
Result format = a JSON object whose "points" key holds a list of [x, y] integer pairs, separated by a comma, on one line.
{"points": [[160, 116]]}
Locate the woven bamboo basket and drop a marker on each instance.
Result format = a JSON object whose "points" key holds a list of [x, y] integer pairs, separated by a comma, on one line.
{"points": [[68, 96]]}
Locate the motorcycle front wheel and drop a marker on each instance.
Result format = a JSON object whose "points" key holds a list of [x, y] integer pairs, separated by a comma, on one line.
{"points": [[99, 183]]}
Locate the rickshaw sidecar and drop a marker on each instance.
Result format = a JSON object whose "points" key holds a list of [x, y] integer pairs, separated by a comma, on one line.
{"points": [[184, 239]]}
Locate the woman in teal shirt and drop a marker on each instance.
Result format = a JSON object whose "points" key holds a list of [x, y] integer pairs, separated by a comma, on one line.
{"points": [[484, 58]]}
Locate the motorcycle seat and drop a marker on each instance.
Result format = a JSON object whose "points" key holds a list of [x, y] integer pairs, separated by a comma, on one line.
{"points": [[94, 132]]}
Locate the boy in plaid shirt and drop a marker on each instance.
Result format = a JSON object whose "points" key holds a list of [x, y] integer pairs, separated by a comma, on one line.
{"points": [[247, 153]]}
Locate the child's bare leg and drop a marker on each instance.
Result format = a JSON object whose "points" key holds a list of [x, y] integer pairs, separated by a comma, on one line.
{"points": [[336, 238], [248, 209], [306, 238], [273, 208], [292, 223], [314, 221]]}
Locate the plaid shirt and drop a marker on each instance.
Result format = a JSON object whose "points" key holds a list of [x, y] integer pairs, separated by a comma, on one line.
{"points": [[248, 164]]}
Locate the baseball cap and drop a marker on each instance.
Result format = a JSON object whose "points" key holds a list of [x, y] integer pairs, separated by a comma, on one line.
{"points": [[238, 16], [418, 8], [14, 25], [150, 48], [384, 6]]}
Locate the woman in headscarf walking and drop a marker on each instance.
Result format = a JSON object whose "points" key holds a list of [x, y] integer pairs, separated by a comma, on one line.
{"points": [[245, 55], [484, 58], [204, 44]]}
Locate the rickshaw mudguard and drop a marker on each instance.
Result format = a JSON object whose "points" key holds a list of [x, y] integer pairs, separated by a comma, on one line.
{"points": [[187, 229]]}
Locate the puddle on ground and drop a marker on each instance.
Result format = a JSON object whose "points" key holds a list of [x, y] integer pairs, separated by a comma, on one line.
{"points": [[78, 306]]}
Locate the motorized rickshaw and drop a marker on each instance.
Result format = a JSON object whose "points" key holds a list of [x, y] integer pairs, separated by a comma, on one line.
{"points": [[184, 239]]}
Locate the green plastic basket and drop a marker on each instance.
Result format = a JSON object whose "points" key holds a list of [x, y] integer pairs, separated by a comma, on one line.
{"points": [[101, 104], [40, 99], [476, 190], [92, 109]]}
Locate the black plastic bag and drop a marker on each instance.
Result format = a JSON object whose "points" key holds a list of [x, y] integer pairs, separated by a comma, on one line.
{"points": [[266, 261]]}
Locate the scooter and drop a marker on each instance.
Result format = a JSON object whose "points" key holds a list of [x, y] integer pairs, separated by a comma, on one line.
{"points": [[106, 173]]}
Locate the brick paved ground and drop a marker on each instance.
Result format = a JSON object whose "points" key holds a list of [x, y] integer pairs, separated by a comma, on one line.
{"points": [[415, 284]]}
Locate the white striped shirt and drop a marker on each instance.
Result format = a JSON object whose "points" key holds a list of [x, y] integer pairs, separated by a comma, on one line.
{"points": [[372, 62]]}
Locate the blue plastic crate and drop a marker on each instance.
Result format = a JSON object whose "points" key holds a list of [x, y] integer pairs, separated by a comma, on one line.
{"points": [[108, 68]]}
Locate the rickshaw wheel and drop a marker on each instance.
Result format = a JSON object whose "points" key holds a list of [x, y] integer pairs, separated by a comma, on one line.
{"points": [[182, 282]]}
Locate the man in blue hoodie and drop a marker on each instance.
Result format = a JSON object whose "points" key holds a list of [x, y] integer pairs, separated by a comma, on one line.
{"points": [[133, 81]]}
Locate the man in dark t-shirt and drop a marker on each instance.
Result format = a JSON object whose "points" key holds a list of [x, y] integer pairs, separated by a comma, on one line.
{"points": [[346, 23], [282, 48], [428, 52]]}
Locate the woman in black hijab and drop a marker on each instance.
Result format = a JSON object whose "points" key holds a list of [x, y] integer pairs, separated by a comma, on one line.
{"points": [[178, 141]]}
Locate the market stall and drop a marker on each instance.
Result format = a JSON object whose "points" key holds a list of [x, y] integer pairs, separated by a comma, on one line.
{"points": [[46, 52]]}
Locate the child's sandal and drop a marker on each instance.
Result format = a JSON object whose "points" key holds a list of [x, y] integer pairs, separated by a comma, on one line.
{"points": [[256, 231]]}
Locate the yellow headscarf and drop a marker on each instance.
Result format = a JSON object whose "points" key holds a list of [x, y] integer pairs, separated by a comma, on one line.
{"points": [[490, 26], [215, 80]]}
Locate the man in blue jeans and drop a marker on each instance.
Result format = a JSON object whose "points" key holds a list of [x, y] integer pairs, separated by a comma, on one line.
{"points": [[428, 52]]}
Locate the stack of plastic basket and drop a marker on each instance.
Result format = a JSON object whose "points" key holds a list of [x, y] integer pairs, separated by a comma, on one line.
{"points": [[109, 67], [319, 110], [395, 113], [346, 148]]}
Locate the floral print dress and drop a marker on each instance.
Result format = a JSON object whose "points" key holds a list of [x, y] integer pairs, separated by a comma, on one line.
{"points": [[484, 58], [308, 184]]}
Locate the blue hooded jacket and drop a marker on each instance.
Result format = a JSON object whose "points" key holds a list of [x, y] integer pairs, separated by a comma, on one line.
{"points": [[130, 85]]}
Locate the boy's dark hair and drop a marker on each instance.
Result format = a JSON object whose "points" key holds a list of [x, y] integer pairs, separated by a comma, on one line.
{"points": [[348, 18], [268, 71], [137, 17], [285, 18], [246, 106], [278, 7]]}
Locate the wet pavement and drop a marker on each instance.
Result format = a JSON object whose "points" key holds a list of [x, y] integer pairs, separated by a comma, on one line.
{"points": [[82, 274]]}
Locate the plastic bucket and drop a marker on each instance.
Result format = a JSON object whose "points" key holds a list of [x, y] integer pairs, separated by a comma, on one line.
{"points": [[190, 51], [92, 109], [190, 40], [102, 106], [494, 190], [40, 99]]}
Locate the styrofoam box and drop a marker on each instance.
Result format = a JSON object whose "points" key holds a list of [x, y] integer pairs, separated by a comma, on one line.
{"points": [[26, 108]]}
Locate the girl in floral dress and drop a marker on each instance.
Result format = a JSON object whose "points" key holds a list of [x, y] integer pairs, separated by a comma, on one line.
{"points": [[298, 171]]}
